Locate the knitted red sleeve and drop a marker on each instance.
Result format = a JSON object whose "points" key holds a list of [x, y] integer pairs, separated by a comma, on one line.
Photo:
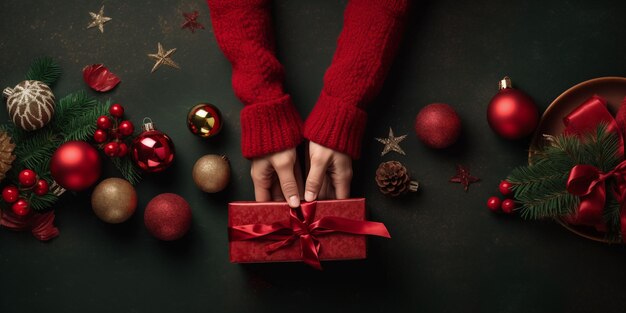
{"points": [[269, 121], [367, 44]]}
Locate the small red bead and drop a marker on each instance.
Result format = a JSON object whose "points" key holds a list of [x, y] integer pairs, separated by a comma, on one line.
{"points": [[122, 150], [100, 136], [10, 194], [111, 149], [505, 188], [116, 110], [21, 207], [41, 188], [27, 178], [104, 122], [493, 203], [508, 206], [126, 128]]}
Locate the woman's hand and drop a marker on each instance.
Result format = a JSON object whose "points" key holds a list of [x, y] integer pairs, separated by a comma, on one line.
{"points": [[277, 177], [329, 175]]}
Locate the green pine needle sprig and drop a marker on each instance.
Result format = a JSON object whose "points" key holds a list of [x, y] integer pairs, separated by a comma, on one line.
{"points": [[45, 70]]}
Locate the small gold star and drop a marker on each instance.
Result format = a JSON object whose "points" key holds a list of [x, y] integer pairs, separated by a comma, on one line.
{"points": [[163, 57], [98, 20], [391, 143]]}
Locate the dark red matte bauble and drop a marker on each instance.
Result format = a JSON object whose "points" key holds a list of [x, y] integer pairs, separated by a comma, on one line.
{"points": [[116, 110], [167, 216], [505, 188], [493, 203], [508, 205], [75, 165], [438, 125], [10, 194], [126, 128], [27, 178], [511, 113], [152, 150], [21, 207]]}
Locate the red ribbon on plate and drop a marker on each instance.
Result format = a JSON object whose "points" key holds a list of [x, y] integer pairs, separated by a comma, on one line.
{"points": [[303, 226]]}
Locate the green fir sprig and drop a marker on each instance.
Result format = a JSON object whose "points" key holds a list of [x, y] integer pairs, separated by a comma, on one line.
{"points": [[44, 70]]}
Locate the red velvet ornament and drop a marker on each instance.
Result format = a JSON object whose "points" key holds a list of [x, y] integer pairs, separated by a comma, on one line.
{"points": [[167, 216], [116, 110], [75, 165], [104, 122], [41, 188], [100, 136], [10, 194], [152, 150], [493, 203], [511, 113], [507, 206], [27, 178], [438, 125], [505, 188], [21, 207], [126, 128]]}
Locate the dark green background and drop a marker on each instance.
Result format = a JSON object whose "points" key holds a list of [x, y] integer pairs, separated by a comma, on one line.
{"points": [[448, 252]]}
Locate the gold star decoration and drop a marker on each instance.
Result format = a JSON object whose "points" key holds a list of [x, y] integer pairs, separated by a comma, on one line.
{"points": [[163, 57], [391, 143], [98, 20], [463, 177]]}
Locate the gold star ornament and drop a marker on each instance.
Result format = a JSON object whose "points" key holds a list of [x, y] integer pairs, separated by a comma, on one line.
{"points": [[163, 57], [391, 143], [98, 20]]}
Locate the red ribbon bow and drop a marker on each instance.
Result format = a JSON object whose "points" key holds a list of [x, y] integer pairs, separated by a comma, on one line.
{"points": [[587, 181], [302, 225]]}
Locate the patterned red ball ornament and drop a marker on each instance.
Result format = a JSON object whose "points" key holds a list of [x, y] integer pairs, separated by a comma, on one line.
{"points": [[75, 165], [152, 150]]}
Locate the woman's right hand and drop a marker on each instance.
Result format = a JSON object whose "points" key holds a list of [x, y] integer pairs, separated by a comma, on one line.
{"points": [[277, 177]]}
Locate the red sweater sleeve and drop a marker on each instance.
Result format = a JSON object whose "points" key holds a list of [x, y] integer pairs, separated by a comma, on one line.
{"points": [[269, 121], [367, 44]]}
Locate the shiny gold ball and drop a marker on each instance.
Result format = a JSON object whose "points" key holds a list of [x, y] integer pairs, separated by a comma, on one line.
{"points": [[114, 200], [211, 173], [204, 120]]}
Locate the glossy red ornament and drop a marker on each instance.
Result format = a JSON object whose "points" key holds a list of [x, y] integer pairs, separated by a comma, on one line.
{"points": [[122, 150], [126, 128], [493, 203], [41, 188], [505, 188], [27, 178], [10, 194], [100, 136], [438, 125], [104, 122], [21, 207], [511, 113], [111, 148], [99, 78], [116, 110], [75, 165], [508, 205], [152, 150]]}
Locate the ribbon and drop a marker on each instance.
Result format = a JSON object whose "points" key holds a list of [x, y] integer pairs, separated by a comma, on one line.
{"points": [[303, 226], [41, 225], [587, 181]]}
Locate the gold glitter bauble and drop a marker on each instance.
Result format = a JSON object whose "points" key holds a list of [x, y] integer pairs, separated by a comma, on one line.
{"points": [[204, 120], [211, 173], [114, 200]]}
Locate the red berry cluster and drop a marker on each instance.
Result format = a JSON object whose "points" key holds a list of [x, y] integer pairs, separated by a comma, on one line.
{"points": [[113, 130], [29, 184], [507, 205]]}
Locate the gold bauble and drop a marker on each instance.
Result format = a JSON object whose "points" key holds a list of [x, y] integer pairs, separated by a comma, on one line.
{"points": [[204, 120], [114, 200], [211, 173]]}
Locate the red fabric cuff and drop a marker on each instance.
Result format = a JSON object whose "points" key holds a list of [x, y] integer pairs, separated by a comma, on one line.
{"points": [[336, 125], [269, 127]]}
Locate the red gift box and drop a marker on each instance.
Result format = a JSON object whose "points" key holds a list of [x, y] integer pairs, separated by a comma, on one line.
{"points": [[319, 230]]}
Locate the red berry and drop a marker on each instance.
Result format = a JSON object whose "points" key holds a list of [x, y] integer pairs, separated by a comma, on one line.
{"points": [[41, 188], [505, 188], [10, 194], [507, 206], [100, 136], [21, 207], [122, 150], [111, 149], [104, 122], [126, 128], [27, 178], [116, 110], [493, 203]]}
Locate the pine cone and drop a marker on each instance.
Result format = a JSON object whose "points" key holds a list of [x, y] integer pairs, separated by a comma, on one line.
{"points": [[393, 180], [6, 154]]}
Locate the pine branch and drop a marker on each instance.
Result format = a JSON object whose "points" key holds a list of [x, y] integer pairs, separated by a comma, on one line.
{"points": [[41, 203], [128, 169], [44, 70]]}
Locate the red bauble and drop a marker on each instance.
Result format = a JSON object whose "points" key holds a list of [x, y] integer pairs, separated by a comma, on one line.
{"points": [[21, 207], [122, 150], [111, 149], [126, 128], [167, 216], [511, 113], [152, 150], [505, 188], [104, 122], [75, 165], [493, 203], [41, 188], [10, 194], [507, 206], [27, 178], [116, 110], [438, 125], [100, 136]]}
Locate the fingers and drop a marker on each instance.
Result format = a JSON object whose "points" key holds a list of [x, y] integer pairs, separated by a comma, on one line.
{"points": [[341, 176], [261, 174], [315, 179], [288, 183]]}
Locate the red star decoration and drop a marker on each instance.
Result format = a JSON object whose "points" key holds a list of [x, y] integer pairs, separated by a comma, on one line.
{"points": [[463, 177], [191, 21]]}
